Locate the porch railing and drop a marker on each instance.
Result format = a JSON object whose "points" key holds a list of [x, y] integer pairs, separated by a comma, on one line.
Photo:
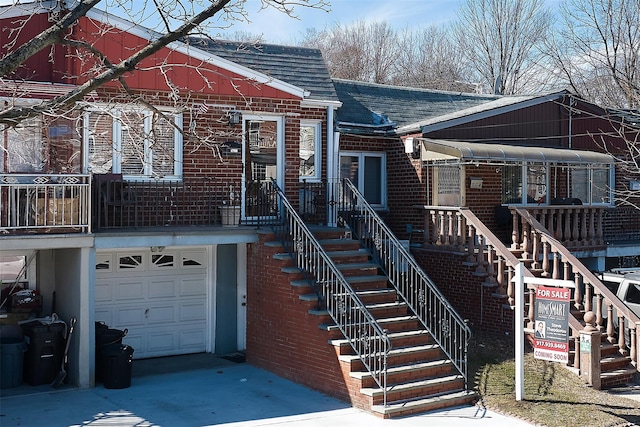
{"points": [[549, 255], [42, 203], [422, 296], [205, 201], [575, 226], [367, 338], [460, 230]]}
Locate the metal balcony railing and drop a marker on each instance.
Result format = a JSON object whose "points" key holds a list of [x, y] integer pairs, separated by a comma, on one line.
{"points": [[45, 203]]}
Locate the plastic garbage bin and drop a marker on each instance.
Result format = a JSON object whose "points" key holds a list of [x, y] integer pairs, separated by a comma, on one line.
{"points": [[12, 351], [108, 340], [46, 342], [118, 366]]}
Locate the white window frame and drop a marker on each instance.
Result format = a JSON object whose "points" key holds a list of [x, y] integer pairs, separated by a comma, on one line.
{"points": [[590, 172], [148, 153], [524, 183], [317, 156], [361, 173]]}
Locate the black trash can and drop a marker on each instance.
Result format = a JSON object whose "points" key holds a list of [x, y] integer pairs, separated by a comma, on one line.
{"points": [[46, 342], [12, 351], [118, 366], [108, 340]]}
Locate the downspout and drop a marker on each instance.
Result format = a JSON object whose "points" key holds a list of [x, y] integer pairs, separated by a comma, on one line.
{"points": [[333, 152]]}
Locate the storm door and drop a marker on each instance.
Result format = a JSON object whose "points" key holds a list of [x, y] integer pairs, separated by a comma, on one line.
{"points": [[263, 152]]}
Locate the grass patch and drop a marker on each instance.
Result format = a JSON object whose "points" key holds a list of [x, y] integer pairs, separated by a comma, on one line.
{"points": [[553, 395]]}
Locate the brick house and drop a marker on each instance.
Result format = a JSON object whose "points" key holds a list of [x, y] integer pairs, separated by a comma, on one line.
{"points": [[213, 217], [210, 218], [143, 220], [483, 182]]}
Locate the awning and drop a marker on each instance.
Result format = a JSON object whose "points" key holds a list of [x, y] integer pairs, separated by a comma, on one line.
{"points": [[433, 149]]}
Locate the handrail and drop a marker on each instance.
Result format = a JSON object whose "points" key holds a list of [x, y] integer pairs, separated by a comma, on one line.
{"points": [[42, 202], [367, 338], [553, 248], [411, 283]]}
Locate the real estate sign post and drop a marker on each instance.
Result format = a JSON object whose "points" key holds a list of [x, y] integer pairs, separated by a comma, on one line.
{"points": [[558, 293]]}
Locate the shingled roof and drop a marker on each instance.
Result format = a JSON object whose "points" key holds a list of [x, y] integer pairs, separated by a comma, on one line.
{"points": [[299, 66], [386, 108]]}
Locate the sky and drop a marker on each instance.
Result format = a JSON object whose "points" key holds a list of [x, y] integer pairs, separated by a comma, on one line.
{"points": [[279, 28]]}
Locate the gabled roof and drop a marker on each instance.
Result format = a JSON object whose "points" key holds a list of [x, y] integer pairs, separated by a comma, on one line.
{"points": [[501, 105], [297, 71], [299, 66], [388, 108], [396, 110]]}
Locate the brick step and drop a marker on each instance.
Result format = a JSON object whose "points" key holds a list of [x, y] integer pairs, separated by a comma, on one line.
{"points": [[614, 363], [416, 389], [426, 404], [332, 245], [618, 377], [285, 258], [358, 268], [398, 339], [363, 283], [395, 357], [608, 349], [401, 374], [346, 257], [378, 296], [391, 324], [409, 338], [388, 309], [324, 232]]}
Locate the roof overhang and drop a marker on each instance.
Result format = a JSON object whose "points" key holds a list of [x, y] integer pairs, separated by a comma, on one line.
{"points": [[432, 149], [493, 108]]}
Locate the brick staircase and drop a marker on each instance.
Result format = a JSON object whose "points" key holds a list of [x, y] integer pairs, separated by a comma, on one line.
{"points": [[420, 378]]}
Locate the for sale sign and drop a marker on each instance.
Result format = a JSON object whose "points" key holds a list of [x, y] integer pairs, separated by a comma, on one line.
{"points": [[552, 324]]}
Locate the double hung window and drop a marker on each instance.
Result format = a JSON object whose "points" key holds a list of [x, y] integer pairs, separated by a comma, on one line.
{"points": [[137, 143]]}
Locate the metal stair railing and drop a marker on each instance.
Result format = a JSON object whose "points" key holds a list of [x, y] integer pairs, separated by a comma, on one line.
{"points": [[365, 335], [413, 285]]}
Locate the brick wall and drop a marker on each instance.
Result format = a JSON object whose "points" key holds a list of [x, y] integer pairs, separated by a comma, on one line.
{"points": [[465, 291], [282, 337]]}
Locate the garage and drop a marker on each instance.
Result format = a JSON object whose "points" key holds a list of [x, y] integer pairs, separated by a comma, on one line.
{"points": [[159, 294]]}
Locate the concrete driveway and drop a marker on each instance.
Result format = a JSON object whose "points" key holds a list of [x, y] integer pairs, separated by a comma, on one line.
{"points": [[223, 393]]}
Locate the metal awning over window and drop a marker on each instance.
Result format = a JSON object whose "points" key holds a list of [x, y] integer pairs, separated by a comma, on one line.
{"points": [[432, 149]]}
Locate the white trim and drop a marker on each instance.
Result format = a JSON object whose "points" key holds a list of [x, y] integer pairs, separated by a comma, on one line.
{"points": [[361, 155], [114, 111], [241, 274], [317, 150], [483, 111], [318, 103]]}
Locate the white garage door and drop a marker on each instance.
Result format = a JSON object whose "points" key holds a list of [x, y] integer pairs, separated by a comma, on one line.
{"points": [[160, 297]]}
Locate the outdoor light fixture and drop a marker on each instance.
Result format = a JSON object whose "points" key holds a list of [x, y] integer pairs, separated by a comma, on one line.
{"points": [[409, 145], [234, 117]]}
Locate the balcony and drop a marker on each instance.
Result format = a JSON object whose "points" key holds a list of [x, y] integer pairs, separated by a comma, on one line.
{"points": [[44, 203]]}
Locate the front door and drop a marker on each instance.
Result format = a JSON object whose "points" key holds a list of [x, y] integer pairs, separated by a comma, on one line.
{"points": [[263, 152]]}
